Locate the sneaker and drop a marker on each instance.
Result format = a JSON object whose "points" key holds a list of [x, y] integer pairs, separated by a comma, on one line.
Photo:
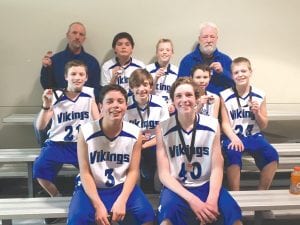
{"points": [[54, 220]]}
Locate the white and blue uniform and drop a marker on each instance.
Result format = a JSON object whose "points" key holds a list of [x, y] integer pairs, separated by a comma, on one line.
{"points": [[244, 125], [69, 115], [147, 118], [123, 79], [109, 161], [165, 82], [208, 108], [241, 118], [196, 180], [61, 146], [157, 109]]}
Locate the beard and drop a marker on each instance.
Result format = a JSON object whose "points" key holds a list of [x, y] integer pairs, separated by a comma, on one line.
{"points": [[208, 50], [75, 45]]}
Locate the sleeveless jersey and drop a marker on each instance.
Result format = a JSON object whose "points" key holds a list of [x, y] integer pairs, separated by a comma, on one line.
{"points": [[109, 159], [241, 118], [123, 80], [158, 111], [165, 82], [69, 115], [208, 108], [201, 161]]}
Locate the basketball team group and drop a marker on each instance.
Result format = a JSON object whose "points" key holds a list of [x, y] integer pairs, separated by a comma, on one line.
{"points": [[134, 129]]}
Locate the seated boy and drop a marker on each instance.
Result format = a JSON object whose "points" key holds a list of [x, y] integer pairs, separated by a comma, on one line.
{"points": [[68, 110], [244, 115], [146, 111]]}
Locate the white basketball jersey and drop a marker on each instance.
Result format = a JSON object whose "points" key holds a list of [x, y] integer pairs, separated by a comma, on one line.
{"points": [[158, 111], [208, 108], [69, 115], [165, 82], [201, 160], [241, 118], [109, 158], [123, 79]]}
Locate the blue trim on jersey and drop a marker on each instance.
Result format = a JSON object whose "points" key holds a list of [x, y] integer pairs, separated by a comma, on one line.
{"points": [[118, 63], [65, 97], [126, 134], [97, 134], [257, 95], [130, 64], [198, 127], [133, 64], [56, 102], [151, 104], [82, 94], [101, 133], [230, 97], [133, 106], [173, 129], [234, 96], [114, 65], [157, 67], [202, 127]]}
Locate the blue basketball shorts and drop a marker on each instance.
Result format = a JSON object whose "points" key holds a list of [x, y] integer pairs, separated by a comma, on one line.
{"points": [[52, 157], [256, 146], [178, 211], [82, 212]]}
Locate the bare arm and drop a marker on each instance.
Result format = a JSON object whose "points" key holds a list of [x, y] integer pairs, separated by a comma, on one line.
{"points": [[260, 112], [119, 207], [164, 173], [45, 114], [88, 181], [95, 111], [160, 72], [216, 177], [203, 211], [216, 106], [149, 143], [236, 143]]}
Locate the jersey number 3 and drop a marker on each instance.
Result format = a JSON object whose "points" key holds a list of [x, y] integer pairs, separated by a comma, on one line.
{"points": [[110, 178]]}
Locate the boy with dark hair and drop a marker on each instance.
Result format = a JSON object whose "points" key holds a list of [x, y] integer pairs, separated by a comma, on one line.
{"points": [[107, 188], [117, 70]]}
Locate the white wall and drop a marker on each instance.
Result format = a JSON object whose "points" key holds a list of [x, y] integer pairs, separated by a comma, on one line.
{"points": [[265, 31]]}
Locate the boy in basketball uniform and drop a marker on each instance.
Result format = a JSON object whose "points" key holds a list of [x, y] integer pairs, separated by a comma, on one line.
{"points": [[118, 69], [190, 165], [68, 109], [146, 111], [109, 153], [244, 115], [163, 72], [208, 102]]}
